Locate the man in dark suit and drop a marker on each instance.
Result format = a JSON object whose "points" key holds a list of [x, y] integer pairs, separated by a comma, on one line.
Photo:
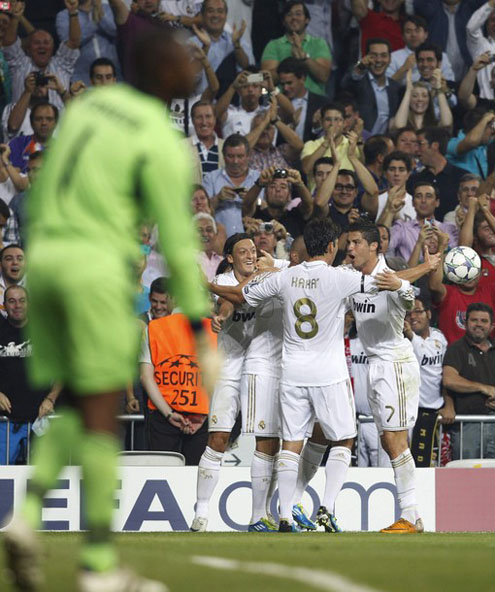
{"points": [[377, 95], [292, 77]]}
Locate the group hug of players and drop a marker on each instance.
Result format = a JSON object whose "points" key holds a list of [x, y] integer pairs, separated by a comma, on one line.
{"points": [[282, 334]]}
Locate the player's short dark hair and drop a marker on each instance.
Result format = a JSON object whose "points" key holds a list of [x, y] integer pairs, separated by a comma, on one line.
{"points": [[159, 286], [349, 173], [318, 234], [203, 6], [40, 105], [223, 266], [202, 103], [12, 246], [397, 155], [101, 62], [290, 5], [376, 41], [429, 46], [322, 160], [230, 243], [426, 184], [235, 140], [417, 20], [436, 134], [334, 106], [479, 307], [368, 230], [292, 66], [373, 148], [13, 287]]}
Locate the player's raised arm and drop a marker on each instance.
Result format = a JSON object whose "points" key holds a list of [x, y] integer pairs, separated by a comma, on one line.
{"points": [[232, 294]]}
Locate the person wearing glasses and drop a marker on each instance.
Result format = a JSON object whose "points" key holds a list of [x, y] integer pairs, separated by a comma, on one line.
{"points": [[429, 346]]}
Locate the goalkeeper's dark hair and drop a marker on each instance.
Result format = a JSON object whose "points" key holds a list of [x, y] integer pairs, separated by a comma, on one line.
{"points": [[318, 234], [368, 230]]}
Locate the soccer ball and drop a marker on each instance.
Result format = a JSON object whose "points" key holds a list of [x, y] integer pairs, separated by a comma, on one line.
{"points": [[461, 265]]}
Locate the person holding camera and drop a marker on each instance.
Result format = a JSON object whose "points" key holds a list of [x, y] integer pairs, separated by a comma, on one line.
{"points": [[16, 117], [278, 184], [483, 20], [41, 56]]}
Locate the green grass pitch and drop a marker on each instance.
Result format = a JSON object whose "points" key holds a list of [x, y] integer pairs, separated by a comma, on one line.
{"points": [[385, 563]]}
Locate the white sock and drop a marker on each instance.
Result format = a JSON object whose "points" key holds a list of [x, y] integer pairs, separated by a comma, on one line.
{"points": [[273, 486], [309, 463], [208, 473], [405, 480], [288, 463], [261, 477], [338, 462]]}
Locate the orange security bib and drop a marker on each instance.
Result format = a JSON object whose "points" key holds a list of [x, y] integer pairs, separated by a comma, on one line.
{"points": [[176, 370]]}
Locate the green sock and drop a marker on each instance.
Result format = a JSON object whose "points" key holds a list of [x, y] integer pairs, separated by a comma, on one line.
{"points": [[98, 453], [50, 454]]}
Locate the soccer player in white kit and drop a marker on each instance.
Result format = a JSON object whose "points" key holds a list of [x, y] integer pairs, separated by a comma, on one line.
{"points": [[393, 380], [315, 380], [234, 340]]}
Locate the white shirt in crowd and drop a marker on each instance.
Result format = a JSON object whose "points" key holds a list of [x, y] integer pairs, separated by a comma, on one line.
{"points": [[430, 353]]}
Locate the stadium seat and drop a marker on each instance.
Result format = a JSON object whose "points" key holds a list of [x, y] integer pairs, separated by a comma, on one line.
{"points": [[140, 458], [472, 463]]}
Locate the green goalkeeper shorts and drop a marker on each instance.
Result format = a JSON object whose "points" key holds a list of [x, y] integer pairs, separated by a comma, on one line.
{"points": [[82, 325]]}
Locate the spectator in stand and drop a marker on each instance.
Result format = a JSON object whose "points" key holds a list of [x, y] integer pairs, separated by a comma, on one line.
{"points": [[385, 23], [377, 95], [264, 153], [415, 32], [352, 118], [332, 121], [478, 232], [238, 119], [269, 237], [12, 270], [228, 53], [16, 117], [201, 203], [102, 72], [206, 145], [405, 233], [480, 40], [175, 422], [43, 117], [452, 300], [278, 184], [292, 74], [429, 346], [296, 42], [448, 21], [5, 79], [41, 57], [416, 108], [468, 187], [397, 169], [227, 187], [159, 301], [375, 150], [468, 149], [209, 260], [11, 179], [395, 263], [98, 35], [181, 13], [469, 376], [481, 67], [432, 148], [19, 402], [406, 140], [429, 60]]}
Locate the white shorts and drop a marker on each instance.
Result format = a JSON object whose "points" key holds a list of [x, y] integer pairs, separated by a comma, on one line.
{"points": [[331, 405], [225, 406], [260, 405], [393, 394]]}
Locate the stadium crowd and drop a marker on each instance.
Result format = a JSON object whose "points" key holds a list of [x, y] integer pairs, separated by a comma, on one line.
{"points": [[346, 110]]}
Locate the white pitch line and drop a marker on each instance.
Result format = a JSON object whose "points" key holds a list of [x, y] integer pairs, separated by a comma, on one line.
{"points": [[324, 580]]}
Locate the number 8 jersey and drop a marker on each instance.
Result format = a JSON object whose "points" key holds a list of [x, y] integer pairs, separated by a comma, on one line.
{"points": [[312, 296]]}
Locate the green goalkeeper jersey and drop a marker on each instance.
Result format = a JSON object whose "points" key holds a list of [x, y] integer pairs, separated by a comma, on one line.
{"points": [[115, 161]]}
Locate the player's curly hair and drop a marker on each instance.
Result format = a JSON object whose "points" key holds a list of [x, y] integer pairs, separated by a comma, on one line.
{"points": [[318, 234]]}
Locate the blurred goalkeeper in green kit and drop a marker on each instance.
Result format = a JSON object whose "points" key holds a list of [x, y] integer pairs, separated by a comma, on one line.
{"points": [[116, 160]]}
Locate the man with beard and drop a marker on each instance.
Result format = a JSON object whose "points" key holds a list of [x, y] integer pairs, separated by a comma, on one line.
{"points": [[469, 376]]}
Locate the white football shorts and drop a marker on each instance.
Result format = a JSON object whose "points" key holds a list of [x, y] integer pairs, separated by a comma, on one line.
{"points": [[260, 405], [225, 406]]}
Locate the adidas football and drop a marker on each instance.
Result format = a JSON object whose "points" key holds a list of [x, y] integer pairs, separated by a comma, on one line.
{"points": [[461, 265]]}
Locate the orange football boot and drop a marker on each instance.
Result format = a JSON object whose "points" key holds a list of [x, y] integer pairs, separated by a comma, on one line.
{"points": [[403, 526]]}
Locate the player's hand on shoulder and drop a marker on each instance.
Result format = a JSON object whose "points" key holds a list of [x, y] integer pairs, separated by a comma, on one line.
{"points": [[388, 280]]}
